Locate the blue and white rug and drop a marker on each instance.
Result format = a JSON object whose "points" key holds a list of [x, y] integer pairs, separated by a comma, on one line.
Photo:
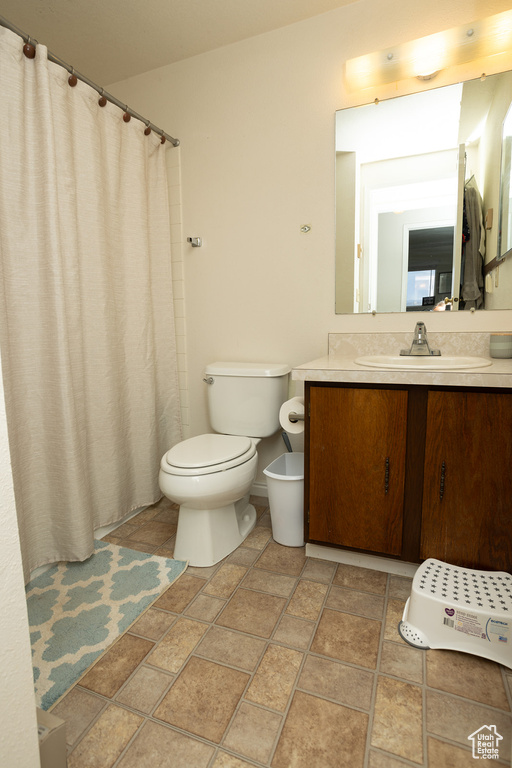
{"points": [[77, 610]]}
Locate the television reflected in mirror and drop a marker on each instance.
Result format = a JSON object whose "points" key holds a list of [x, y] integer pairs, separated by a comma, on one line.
{"points": [[423, 201]]}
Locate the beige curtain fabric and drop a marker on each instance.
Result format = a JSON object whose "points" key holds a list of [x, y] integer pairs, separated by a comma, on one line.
{"points": [[86, 309]]}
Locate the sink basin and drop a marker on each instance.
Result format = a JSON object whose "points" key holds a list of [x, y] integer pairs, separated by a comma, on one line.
{"points": [[423, 362]]}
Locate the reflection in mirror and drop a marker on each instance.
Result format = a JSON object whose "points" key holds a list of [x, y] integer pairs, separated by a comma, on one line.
{"points": [[505, 231], [418, 201]]}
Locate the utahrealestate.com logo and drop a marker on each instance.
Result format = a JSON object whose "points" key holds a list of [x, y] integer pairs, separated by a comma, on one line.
{"points": [[486, 743]]}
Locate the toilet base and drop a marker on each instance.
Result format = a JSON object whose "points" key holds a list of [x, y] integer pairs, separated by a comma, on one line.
{"points": [[206, 536]]}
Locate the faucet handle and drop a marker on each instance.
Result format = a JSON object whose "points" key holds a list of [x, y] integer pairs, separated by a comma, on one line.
{"points": [[420, 332]]}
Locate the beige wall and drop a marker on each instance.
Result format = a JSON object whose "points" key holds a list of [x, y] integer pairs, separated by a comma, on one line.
{"points": [[256, 125], [18, 727]]}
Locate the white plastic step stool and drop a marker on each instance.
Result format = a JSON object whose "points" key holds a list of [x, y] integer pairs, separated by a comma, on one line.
{"points": [[460, 609]]}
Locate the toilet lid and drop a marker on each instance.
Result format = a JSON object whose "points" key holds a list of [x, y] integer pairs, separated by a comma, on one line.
{"points": [[208, 450]]}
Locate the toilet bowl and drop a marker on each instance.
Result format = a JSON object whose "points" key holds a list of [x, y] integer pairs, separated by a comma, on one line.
{"points": [[210, 476]]}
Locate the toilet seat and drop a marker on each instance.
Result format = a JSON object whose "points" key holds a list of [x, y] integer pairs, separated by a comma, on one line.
{"points": [[206, 454]]}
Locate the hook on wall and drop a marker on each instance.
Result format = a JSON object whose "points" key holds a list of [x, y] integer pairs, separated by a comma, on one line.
{"points": [[195, 242]]}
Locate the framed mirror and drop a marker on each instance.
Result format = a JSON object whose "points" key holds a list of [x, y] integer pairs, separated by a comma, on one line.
{"points": [[424, 200]]}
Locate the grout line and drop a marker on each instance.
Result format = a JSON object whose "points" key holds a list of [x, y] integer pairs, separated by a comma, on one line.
{"points": [[264, 650], [373, 699], [424, 708]]}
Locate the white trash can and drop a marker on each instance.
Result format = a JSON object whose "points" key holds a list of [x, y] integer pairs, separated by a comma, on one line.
{"points": [[285, 482]]}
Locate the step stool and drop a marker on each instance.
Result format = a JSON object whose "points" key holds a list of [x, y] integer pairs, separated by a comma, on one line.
{"points": [[460, 609]]}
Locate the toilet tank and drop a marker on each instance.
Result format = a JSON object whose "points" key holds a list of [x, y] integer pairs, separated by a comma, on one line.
{"points": [[245, 398]]}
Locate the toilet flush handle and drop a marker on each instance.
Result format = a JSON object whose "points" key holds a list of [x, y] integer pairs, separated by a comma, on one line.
{"points": [[209, 380]]}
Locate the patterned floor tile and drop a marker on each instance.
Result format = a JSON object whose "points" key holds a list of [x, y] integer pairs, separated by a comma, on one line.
{"points": [[398, 719], [144, 689], [307, 600], [179, 594], [177, 645], [253, 732], [252, 612], [320, 733], [275, 677], [78, 708], [351, 601], [231, 648], [108, 737], [455, 719], [295, 632], [468, 676], [289, 560], [116, 665], [340, 682], [157, 745], [153, 624], [153, 532], [203, 699], [362, 579], [347, 638], [402, 661], [271, 659], [225, 580], [267, 581]]}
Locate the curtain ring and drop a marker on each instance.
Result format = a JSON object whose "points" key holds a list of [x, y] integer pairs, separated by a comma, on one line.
{"points": [[102, 100], [162, 139], [127, 117], [29, 50], [147, 129], [72, 79]]}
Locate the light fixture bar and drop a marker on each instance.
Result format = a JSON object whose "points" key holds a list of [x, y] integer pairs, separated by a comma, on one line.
{"points": [[421, 57]]}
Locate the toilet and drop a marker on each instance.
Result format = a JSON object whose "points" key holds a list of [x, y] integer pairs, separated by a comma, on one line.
{"points": [[210, 475]]}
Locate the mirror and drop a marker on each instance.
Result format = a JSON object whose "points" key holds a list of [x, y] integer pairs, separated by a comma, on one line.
{"points": [[505, 230], [423, 214]]}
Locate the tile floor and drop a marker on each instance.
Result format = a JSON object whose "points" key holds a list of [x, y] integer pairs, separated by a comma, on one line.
{"points": [[274, 659]]}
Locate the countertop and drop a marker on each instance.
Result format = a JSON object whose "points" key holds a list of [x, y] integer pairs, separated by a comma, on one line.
{"points": [[333, 368], [339, 364]]}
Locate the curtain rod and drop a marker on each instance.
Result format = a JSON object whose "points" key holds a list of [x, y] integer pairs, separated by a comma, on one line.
{"points": [[55, 59]]}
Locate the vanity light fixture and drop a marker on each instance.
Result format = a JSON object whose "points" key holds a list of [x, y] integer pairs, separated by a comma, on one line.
{"points": [[427, 56]]}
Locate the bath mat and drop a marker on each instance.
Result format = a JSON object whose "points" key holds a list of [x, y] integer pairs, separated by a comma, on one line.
{"points": [[77, 610]]}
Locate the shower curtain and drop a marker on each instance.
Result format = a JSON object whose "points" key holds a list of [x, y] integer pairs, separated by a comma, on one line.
{"points": [[86, 309]]}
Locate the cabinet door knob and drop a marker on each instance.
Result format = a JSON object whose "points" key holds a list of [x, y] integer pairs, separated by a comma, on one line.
{"points": [[386, 476], [441, 484]]}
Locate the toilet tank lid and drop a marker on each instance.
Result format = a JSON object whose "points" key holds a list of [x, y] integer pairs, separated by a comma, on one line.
{"points": [[247, 369]]}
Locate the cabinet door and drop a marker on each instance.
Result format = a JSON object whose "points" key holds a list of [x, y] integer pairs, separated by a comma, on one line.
{"points": [[357, 441], [467, 495]]}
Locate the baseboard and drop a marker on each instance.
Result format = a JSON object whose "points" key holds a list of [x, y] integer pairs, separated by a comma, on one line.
{"points": [[373, 562], [259, 489], [99, 533]]}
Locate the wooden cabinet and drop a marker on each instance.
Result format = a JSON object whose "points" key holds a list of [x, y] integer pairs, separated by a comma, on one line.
{"points": [[467, 497], [357, 442], [411, 472]]}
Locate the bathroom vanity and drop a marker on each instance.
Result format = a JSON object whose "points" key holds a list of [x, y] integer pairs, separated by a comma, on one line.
{"points": [[409, 464]]}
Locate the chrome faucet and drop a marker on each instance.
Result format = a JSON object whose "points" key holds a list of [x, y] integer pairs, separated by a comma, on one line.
{"points": [[420, 345]]}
